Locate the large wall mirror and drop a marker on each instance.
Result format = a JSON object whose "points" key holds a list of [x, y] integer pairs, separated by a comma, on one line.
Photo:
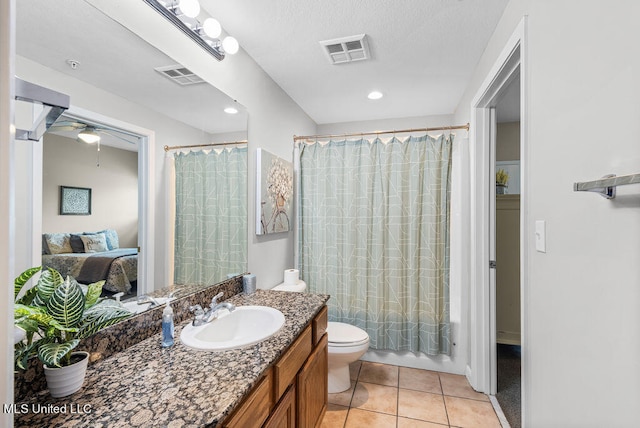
{"points": [[130, 96]]}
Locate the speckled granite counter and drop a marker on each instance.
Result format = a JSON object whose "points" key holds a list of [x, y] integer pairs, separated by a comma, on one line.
{"points": [[148, 386]]}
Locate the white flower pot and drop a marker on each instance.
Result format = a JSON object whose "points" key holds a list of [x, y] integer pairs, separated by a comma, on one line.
{"points": [[66, 380]]}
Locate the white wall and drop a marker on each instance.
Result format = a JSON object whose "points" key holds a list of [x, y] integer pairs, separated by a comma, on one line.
{"points": [[114, 188], [457, 361], [7, 50], [582, 344]]}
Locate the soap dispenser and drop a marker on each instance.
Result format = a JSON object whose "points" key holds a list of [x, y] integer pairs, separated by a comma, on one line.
{"points": [[167, 326]]}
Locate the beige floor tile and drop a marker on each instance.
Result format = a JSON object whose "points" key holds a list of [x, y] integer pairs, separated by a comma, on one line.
{"points": [[377, 398], [343, 398], [420, 380], [381, 374], [457, 386], [361, 418], [471, 413], [354, 369], [335, 417], [414, 423], [422, 405]]}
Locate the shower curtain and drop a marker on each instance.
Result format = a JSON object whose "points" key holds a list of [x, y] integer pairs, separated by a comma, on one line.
{"points": [[374, 234], [211, 215]]}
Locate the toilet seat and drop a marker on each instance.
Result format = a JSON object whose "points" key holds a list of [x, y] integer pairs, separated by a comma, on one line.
{"points": [[345, 335]]}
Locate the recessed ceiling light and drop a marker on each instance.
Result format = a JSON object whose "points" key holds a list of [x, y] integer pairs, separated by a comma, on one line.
{"points": [[231, 110], [374, 95]]}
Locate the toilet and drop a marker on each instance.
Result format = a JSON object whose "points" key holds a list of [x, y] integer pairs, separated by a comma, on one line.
{"points": [[347, 343]]}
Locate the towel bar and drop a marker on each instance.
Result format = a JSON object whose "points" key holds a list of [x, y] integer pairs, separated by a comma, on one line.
{"points": [[606, 186]]}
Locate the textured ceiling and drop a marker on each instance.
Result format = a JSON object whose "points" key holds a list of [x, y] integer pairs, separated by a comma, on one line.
{"points": [[423, 51]]}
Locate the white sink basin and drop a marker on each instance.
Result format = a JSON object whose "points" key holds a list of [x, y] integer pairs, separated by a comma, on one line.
{"points": [[245, 326]]}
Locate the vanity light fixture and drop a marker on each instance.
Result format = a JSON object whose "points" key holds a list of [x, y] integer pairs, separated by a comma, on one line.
{"points": [[183, 14], [375, 95], [89, 135]]}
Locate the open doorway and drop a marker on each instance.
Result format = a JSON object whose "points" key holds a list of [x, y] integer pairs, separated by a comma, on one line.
{"points": [[507, 254], [509, 67], [82, 157]]}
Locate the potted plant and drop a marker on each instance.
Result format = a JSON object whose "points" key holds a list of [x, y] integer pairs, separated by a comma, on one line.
{"points": [[55, 315], [502, 178]]}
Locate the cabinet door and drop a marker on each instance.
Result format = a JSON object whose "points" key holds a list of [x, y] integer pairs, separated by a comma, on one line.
{"points": [[312, 386], [256, 407], [284, 415]]}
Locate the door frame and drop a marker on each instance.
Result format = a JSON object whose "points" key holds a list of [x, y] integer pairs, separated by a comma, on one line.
{"points": [[146, 190], [482, 368]]}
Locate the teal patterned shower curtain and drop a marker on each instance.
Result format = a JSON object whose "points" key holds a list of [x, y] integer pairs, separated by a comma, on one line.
{"points": [[211, 215], [374, 234]]}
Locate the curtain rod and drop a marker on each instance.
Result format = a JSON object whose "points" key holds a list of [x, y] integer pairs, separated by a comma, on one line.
{"points": [[230, 143], [439, 128]]}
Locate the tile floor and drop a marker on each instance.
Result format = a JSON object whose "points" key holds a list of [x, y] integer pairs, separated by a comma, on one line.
{"points": [[387, 396]]}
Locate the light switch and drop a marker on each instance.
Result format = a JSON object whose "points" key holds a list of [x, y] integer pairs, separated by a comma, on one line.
{"points": [[541, 240]]}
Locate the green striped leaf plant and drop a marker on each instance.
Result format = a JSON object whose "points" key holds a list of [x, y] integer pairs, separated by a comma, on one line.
{"points": [[56, 314]]}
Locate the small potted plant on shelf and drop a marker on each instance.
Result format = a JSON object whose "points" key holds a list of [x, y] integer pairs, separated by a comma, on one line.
{"points": [[55, 315], [502, 178]]}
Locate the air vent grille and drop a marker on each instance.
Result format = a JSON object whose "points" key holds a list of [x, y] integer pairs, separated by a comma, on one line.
{"points": [[346, 49], [179, 74]]}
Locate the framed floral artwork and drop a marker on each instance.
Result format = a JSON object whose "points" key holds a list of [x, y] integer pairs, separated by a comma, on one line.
{"points": [[274, 194]]}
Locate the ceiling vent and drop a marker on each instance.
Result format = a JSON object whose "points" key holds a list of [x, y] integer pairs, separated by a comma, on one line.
{"points": [[179, 74], [346, 49]]}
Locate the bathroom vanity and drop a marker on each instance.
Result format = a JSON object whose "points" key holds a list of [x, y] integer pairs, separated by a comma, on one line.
{"points": [[279, 382]]}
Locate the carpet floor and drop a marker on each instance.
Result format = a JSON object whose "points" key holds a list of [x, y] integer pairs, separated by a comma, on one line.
{"points": [[509, 383]]}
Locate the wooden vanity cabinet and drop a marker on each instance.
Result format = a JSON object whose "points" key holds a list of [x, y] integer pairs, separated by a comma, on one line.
{"points": [[313, 387], [255, 409], [284, 415], [297, 384]]}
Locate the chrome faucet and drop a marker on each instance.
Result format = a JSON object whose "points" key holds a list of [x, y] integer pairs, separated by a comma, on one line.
{"points": [[144, 299], [203, 317]]}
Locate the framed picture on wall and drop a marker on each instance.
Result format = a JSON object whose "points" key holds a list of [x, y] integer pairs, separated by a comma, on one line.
{"points": [[75, 200], [274, 193]]}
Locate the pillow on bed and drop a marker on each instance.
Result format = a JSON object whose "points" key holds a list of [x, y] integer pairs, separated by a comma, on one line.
{"points": [[58, 243], [112, 238], [76, 243], [45, 246], [94, 243]]}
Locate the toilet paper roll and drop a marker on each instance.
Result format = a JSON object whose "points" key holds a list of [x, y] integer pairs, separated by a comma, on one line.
{"points": [[291, 276], [249, 283]]}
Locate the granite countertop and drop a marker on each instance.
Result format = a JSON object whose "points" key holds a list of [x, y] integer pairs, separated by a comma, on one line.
{"points": [[150, 386]]}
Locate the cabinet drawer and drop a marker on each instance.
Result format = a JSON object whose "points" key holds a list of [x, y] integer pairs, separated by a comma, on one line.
{"points": [[287, 367], [319, 325], [255, 409]]}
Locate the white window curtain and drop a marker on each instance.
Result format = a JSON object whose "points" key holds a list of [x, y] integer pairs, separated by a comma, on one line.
{"points": [[374, 234], [210, 232]]}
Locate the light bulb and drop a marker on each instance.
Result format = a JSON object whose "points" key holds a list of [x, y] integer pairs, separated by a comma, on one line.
{"points": [[190, 8], [230, 45], [89, 135], [212, 28]]}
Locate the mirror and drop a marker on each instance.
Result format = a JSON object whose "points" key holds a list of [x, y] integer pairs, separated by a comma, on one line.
{"points": [[130, 95]]}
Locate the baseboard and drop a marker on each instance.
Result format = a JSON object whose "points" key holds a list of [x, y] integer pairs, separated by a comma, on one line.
{"points": [[508, 337]]}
